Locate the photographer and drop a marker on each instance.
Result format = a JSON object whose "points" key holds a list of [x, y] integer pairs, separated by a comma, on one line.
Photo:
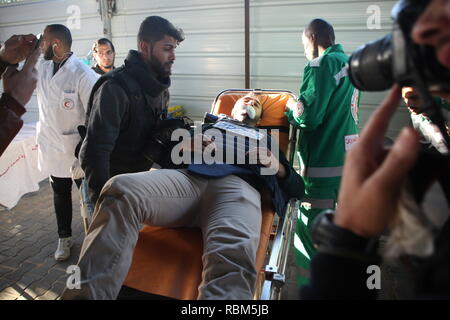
{"points": [[222, 199], [371, 185], [18, 85]]}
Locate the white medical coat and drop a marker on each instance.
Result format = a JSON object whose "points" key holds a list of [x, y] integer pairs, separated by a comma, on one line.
{"points": [[63, 100]]}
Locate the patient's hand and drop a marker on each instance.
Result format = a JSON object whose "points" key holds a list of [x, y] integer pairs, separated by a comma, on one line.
{"points": [[296, 107], [265, 157], [197, 143]]}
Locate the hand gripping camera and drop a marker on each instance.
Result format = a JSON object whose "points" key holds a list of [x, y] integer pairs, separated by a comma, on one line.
{"points": [[395, 58], [160, 144]]}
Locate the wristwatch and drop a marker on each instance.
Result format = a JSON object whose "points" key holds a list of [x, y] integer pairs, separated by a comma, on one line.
{"points": [[330, 238]]}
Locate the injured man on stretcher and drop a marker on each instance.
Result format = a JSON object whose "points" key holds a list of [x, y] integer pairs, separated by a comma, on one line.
{"points": [[222, 198]]}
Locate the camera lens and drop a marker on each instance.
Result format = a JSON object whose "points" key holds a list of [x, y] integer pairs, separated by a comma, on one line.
{"points": [[370, 67], [210, 118]]}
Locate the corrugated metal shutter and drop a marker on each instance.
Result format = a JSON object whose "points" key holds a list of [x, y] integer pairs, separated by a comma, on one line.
{"points": [[212, 56], [209, 60], [277, 55]]}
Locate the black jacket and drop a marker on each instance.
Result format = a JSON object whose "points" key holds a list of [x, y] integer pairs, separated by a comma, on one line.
{"points": [[10, 116], [123, 111], [97, 69]]}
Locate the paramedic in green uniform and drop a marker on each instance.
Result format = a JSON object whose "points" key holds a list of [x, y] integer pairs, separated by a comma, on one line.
{"points": [[327, 115]]}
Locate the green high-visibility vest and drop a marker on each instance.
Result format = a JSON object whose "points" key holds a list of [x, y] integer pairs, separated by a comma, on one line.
{"points": [[328, 118]]}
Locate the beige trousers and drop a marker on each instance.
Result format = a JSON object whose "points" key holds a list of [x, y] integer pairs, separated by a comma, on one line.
{"points": [[227, 210]]}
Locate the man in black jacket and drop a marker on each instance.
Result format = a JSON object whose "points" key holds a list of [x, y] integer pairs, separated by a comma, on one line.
{"points": [[126, 104]]}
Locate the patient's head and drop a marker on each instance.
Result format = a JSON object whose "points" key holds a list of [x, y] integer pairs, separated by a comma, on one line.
{"points": [[248, 109]]}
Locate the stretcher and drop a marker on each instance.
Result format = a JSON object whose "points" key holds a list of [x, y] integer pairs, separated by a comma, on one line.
{"points": [[167, 262]]}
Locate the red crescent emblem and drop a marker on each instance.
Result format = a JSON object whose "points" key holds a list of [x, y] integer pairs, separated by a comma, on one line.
{"points": [[68, 104]]}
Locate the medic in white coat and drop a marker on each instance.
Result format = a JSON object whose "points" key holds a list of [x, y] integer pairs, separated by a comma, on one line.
{"points": [[63, 100], [63, 90]]}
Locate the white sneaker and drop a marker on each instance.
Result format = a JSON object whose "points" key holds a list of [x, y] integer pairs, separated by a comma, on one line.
{"points": [[63, 251]]}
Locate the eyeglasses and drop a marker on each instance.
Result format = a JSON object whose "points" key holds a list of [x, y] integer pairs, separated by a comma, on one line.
{"points": [[103, 54]]}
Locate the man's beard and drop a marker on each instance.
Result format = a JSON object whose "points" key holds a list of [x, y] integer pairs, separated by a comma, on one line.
{"points": [[48, 54], [109, 67], [159, 67]]}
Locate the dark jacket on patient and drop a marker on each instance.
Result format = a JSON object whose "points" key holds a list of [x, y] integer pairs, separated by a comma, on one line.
{"points": [[291, 186]]}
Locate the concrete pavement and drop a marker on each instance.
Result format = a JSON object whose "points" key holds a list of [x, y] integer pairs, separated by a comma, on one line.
{"points": [[28, 240]]}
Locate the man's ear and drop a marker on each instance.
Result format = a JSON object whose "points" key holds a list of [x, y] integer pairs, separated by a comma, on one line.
{"points": [[57, 43], [313, 39], [143, 48]]}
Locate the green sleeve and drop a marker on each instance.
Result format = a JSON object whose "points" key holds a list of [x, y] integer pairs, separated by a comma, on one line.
{"points": [[315, 94]]}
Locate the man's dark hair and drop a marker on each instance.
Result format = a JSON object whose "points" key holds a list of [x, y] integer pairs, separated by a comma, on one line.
{"points": [[103, 41], [62, 33], [154, 28], [322, 31]]}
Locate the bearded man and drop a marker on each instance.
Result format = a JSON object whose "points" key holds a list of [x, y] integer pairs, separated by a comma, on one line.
{"points": [[126, 105], [63, 89]]}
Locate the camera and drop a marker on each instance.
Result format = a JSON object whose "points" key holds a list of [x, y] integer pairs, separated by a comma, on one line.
{"points": [[395, 58], [159, 146], [212, 118]]}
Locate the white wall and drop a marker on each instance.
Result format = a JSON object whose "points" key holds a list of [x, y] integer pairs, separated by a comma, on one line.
{"points": [[212, 56], [209, 60]]}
